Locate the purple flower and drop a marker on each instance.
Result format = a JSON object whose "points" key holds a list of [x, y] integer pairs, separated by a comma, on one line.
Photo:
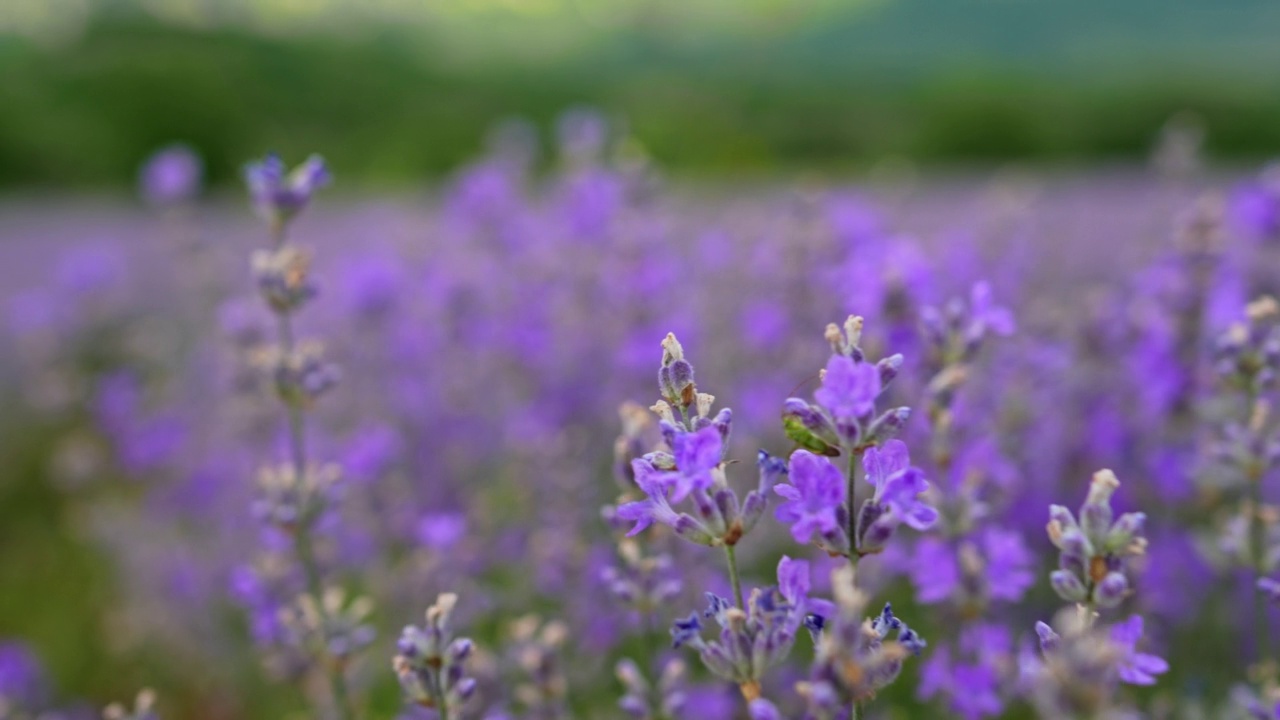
{"points": [[21, 677], [934, 570], [172, 175], [1135, 668], [899, 485], [985, 315], [278, 194], [441, 531], [817, 489], [793, 583], [849, 389], [1008, 564], [655, 508], [696, 454]]}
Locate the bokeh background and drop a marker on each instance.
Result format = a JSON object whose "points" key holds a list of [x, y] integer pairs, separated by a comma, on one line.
{"points": [[396, 90], [951, 115]]}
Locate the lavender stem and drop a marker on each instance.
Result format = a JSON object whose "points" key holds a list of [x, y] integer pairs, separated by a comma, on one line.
{"points": [[731, 554]]}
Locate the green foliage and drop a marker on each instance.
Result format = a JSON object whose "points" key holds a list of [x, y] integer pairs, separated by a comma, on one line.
{"points": [[387, 106]]}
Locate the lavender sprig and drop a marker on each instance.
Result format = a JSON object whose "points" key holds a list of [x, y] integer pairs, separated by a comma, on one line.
{"points": [[694, 470], [431, 663], [822, 503], [294, 496], [1247, 360], [1082, 661]]}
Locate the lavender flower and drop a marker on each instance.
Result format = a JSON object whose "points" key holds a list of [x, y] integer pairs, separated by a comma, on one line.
{"points": [[815, 499], [896, 500], [1092, 552], [431, 663], [1081, 663], [536, 649], [990, 566], [695, 468], [855, 656], [759, 636], [170, 176], [1133, 667], [645, 702], [845, 418], [973, 677], [284, 277], [644, 584], [278, 194]]}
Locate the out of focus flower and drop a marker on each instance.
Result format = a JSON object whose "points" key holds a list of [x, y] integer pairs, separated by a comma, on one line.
{"points": [[1092, 552], [441, 531], [994, 565], [640, 700], [432, 663], [855, 657], [1135, 668], [170, 176], [974, 676], [279, 194], [284, 277], [21, 678]]}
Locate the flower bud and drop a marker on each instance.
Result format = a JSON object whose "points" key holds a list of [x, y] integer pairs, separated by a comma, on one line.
{"points": [[1111, 591], [1068, 586]]}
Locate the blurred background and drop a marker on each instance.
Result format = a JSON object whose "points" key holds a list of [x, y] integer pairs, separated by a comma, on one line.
{"points": [[398, 90], [122, 500]]}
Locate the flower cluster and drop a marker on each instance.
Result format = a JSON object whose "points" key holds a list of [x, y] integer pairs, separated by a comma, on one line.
{"points": [[695, 467], [1092, 552], [856, 656], [1080, 663], [844, 418], [759, 636], [432, 663]]}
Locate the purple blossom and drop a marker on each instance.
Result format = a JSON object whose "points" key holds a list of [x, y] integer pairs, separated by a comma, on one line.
{"points": [[849, 388], [899, 485], [817, 489], [277, 193], [441, 531], [1135, 668], [172, 175], [696, 455], [985, 315]]}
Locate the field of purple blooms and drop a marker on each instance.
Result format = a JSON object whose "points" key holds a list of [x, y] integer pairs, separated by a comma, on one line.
{"points": [[1001, 445]]}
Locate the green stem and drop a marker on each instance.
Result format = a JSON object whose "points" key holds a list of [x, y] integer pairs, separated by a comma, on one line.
{"points": [[855, 710], [731, 554], [443, 710], [852, 503]]}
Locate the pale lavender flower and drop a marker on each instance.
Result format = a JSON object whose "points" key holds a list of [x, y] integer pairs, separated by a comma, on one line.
{"points": [[432, 663]]}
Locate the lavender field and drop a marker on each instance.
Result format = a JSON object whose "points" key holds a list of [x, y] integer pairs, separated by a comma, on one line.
{"points": [[1000, 445]]}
